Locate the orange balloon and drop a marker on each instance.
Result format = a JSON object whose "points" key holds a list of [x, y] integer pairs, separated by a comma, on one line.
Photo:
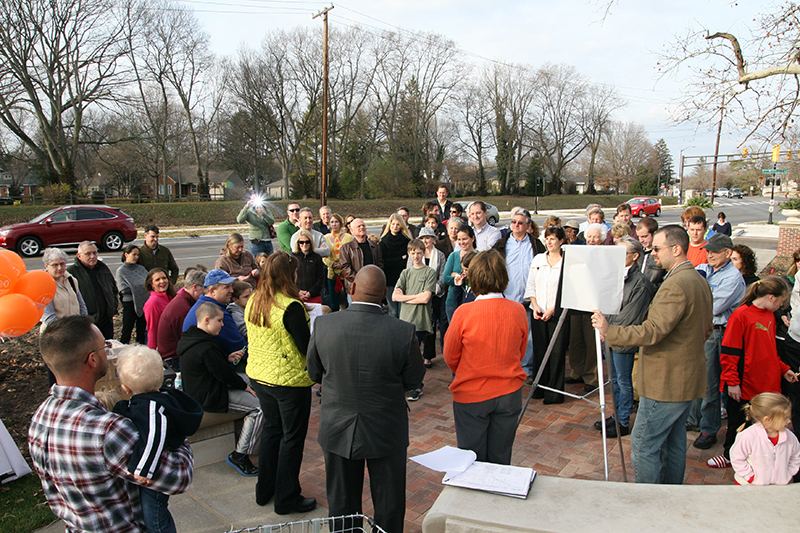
{"points": [[37, 285], [8, 275], [16, 261], [18, 314]]}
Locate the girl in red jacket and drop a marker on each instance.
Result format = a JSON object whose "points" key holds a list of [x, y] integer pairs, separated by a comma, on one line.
{"points": [[749, 357]]}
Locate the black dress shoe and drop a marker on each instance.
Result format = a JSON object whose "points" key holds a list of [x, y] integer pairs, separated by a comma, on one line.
{"points": [[572, 381], [611, 431], [304, 506], [705, 442], [609, 423]]}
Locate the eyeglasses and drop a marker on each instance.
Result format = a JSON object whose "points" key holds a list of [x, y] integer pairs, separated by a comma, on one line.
{"points": [[106, 345], [657, 249], [519, 222], [294, 210], [303, 242]]}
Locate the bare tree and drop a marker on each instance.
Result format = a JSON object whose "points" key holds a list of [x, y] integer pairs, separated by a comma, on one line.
{"points": [[57, 59], [473, 111], [597, 109], [556, 129], [757, 76], [624, 150]]}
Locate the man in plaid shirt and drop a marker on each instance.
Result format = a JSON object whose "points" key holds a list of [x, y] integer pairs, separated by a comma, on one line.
{"points": [[80, 450]]}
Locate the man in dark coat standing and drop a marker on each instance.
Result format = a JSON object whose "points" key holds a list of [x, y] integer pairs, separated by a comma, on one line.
{"points": [[97, 286], [366, 361]]}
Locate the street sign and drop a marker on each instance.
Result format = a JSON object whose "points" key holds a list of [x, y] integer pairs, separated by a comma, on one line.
{"points": [[774, 171]]}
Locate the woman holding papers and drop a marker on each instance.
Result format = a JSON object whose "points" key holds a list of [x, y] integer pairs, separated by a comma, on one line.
{"points": [[486, 357], [541, 290]]}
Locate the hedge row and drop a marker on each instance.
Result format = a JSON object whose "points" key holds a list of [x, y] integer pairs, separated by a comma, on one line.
{"points": [[219, 212]]}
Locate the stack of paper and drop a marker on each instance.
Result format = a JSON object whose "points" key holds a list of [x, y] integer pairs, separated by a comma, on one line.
{"points": [[462, 470]]}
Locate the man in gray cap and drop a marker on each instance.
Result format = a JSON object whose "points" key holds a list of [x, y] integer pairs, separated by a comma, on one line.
{"points": [[571, 229], [727, 288]]}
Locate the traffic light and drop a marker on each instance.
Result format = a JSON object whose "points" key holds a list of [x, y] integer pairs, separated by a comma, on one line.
{"points": [[776, 153], [745, 151]]}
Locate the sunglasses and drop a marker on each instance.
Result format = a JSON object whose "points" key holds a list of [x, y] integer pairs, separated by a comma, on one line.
{"points": [[303, 242], [294, 210]]}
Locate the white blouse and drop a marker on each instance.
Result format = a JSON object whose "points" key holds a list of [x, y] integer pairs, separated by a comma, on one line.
{"points": [[543, 281]]}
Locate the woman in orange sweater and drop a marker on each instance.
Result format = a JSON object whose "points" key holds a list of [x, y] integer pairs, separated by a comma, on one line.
{"points": [[484, 347]]}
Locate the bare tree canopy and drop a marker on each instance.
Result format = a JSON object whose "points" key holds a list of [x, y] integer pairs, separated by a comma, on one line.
{"points": [[754, 76], [57, 59]]}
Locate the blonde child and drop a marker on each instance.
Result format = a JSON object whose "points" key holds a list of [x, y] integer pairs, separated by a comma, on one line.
{"points": [[749, 356], [164, 417], [765, 453]]}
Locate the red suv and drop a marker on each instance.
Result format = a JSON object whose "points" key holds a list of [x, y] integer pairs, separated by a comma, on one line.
{"points": [[70, 225]]}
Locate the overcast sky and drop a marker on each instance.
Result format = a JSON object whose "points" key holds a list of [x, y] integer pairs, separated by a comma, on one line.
{"points": [[618, 50]]}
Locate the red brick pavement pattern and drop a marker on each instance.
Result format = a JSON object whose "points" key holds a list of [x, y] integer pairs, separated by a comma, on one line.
{"points": [[556, 440]]}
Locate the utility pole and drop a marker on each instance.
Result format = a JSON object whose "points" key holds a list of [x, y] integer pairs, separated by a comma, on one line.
{"points": [[716, 151], [323, 188]]}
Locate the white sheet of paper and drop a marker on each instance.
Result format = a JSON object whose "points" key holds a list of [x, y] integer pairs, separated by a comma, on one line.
{"points": [[314, 310], [446, 459], [500, 479], [593, 278]]}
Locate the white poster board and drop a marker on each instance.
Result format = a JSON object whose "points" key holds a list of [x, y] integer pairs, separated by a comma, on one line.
{"points": [[593, 277]]}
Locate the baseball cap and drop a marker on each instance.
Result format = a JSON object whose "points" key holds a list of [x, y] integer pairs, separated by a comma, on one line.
{"points": [[217, 276], [718, 242], [426, 232]]}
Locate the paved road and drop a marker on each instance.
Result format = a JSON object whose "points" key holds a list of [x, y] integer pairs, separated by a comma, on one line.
{"points": [[205, 249]]}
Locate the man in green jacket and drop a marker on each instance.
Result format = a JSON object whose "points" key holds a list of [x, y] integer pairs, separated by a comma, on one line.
{"points": [[152, 255], [260, 220], [289, 227]]}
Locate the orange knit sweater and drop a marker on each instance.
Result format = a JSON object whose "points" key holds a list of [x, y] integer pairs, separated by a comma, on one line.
{"points": [[484, 346]]}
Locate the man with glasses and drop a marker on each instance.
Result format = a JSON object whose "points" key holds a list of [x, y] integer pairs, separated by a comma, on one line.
{"points": [[80, 450], [672, 369], [457, 211], [97, 286], [518, 248], [289, 227]]}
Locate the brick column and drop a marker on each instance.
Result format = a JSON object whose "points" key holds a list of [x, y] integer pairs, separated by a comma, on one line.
{"points": [[788, 237]]}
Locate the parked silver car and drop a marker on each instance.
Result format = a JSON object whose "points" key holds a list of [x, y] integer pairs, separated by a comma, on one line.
{"points": [[492, 214]]}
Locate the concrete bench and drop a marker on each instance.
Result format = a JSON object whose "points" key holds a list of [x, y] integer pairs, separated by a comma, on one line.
{"points": [[216, 437], [569, 505]]}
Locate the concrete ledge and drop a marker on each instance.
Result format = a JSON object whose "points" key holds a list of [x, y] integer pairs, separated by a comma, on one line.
{"points": [[216, 437], [568, 505]]}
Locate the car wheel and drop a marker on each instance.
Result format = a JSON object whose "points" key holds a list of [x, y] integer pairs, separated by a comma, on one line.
{"points": [[492, 221], [658, 212], [113, 241], [29, 246]]}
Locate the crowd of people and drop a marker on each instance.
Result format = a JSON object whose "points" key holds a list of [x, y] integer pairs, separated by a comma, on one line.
{"points": [[697, 328]]}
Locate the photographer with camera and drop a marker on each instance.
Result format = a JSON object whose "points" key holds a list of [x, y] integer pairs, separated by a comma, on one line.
{"points": [[260, 220]]}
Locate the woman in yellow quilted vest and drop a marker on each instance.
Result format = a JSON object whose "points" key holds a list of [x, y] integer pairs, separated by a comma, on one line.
{"points": [[278, 334]]}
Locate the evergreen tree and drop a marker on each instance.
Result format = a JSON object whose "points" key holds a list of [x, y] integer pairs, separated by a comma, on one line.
{"points": [[665, 171]]}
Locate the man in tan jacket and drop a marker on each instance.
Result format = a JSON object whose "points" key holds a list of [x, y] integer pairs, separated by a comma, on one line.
{"points": [[356, 254], [672, 362]]}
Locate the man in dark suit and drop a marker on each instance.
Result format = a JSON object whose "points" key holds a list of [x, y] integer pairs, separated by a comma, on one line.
{"points": [[366, 361]]}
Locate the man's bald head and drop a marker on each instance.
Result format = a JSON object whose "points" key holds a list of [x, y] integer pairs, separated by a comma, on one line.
{"points": [[369, 285]]}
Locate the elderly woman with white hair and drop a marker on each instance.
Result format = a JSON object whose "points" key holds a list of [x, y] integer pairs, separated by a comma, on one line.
{"points": [[637, 293], [67, 300], [595, 234]]}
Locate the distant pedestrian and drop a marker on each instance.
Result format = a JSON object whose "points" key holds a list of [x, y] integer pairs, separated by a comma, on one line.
{"points": [[152, 254]]}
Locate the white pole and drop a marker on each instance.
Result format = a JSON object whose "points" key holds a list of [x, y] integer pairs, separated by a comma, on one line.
{"points": [[602, 392]]}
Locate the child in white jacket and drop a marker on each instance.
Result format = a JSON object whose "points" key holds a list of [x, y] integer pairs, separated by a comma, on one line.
{"points": [[765, 453]]}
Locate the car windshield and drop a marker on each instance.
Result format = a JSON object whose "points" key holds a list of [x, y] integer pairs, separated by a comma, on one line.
{"points": [[43, 216], [635, 201]]}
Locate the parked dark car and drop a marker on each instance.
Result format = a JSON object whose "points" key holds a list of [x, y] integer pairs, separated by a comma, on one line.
{"points": [[70, 225], [645, 206]]}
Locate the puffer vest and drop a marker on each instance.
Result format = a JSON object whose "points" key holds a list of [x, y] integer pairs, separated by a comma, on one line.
{"points": [[273, 357]]}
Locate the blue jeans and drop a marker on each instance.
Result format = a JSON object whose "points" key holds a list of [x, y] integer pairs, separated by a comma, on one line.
{"points": [[527, 361], [658, 441], [335, 304], [706, 412], [394, 307], [157, 517], [261, 246], [621, 371]]}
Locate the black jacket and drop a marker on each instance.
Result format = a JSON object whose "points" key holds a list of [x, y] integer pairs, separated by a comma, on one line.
{"points": [[637, 293], [108, 286], [311, 273], [536, 244], [176, 416], [205, 370]]}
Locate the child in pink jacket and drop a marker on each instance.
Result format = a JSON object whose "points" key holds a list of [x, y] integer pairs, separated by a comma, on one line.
{"points": [[765, 453]]}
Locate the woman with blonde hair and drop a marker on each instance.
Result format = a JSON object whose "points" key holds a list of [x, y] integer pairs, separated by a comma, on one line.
{"points": [[278, 335], [394, 250], [335, 239], [237, 261], [310, 269]]}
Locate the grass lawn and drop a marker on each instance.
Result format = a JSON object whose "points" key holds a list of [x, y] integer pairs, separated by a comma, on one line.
{"points": [[22, 506]]}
